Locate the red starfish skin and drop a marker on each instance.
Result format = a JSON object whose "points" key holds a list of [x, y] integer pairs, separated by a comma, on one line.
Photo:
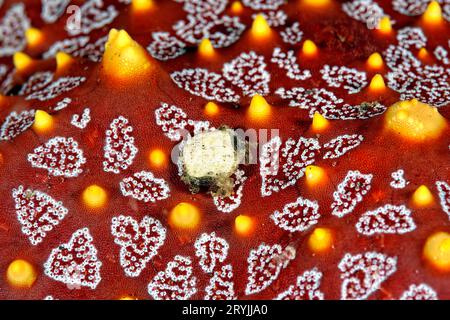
{"points": [[341, 41]]}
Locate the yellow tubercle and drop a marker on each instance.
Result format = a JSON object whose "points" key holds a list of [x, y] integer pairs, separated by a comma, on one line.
{"points": [[243, 225], [436, 251], [206, 49], [422, 196], [211, 109], [22, 61], [62, 60], [316, 3], [33, 36], [375, 61], [320, 240], [309, 48], [314, 175], [142, 5], [94, 196], [237, 7], [126, 297], [260, 27], [414, 120], [377, 83], [433, 13], [259, 109], [385, 25], [21, 274], [43, 122], [124, 58], [184, 216], [423, 53], [319, 122], [157, 158]]}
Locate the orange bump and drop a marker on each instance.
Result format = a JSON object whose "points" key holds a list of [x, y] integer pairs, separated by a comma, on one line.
{"points": [[422, 196], [236, 7], [259, 109], [423, 53], [142, 5], [43, 122], [62, 60], [260, 27], [243, 225], [94, 196], [21, 273], [211, 108], [377, 83], [314, 175], [184, 216], [127, 297], [433, 13], [375, 61], [436, 251], [316, 3], [319, 123], [157, 158], [385, 25], [22, 61], [320, 240], [33, 36], [206, 49], [309, 48]]}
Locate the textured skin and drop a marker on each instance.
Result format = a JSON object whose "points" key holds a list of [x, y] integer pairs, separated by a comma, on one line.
{"points": [[341, 41]]}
